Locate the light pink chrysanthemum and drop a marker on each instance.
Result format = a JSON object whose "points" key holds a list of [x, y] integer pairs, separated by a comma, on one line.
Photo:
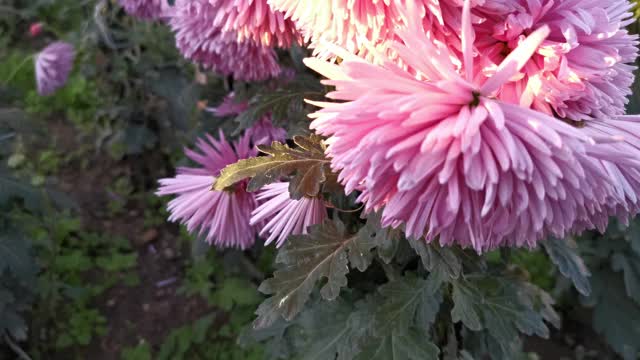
{"points": [[583, 70], [254, 20], [222, 216], [200, 40], [262, 132], [53, 65], [285, 216], [145, 9], [444, 158], [359, 25]]}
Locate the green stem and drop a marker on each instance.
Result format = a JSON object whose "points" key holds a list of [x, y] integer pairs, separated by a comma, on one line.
{"points": [[16, 70], [16, 349]]}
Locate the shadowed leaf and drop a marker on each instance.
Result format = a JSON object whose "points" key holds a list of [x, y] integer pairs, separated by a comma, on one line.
{"points": [[564, 255], [306, 260]]}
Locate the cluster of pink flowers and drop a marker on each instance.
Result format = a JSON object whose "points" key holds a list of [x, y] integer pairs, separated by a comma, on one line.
{"points": [[512, 131], [482, 123]]}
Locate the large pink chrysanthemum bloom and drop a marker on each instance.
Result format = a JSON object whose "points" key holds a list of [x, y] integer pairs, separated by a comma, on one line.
{"points": [[358, 25], [201, 41], [221, 216], [146, 9], [438, 153], [53, 65], [254, 20], [285, 216], [584, 68], [262, 132]]}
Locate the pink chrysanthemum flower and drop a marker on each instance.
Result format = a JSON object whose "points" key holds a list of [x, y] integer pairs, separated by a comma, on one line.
{"points": [[145, 9], [254, 20], [262, 132], [359, 25], [584, 68], [200, 40], [285, 216], [222, 216], [442, 156], [53, 65]]}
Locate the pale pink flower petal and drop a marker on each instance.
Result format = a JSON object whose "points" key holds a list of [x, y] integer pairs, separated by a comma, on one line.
{"points": [[284, 216]]}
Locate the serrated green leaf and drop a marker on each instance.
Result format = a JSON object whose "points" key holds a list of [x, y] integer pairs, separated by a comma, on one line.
{"points": [[335, 330], [306, 162], [401, 345], [306, 259], [360, 250], [496, 304], [434, 256], [385, 240], [409, 300], [564, 255], [463, 308]]}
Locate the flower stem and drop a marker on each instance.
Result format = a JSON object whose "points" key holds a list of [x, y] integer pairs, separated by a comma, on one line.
{"points": [[16, 70]]}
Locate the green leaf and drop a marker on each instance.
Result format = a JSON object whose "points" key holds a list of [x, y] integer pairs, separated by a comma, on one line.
{"points": [[360, 250], [434, 256], [409, 299], [401, 345], [306, 162], [463, 309], [306, 259], [498, 305], [15, 256], [335, 330], [615, 316], [235, 291], [283, 103], [385, 240], [278, 345], [564, 255], [630, 265], [140, 352]]}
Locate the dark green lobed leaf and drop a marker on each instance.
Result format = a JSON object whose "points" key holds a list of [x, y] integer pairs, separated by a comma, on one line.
{"points": [[306, 259], [564, 255]]}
